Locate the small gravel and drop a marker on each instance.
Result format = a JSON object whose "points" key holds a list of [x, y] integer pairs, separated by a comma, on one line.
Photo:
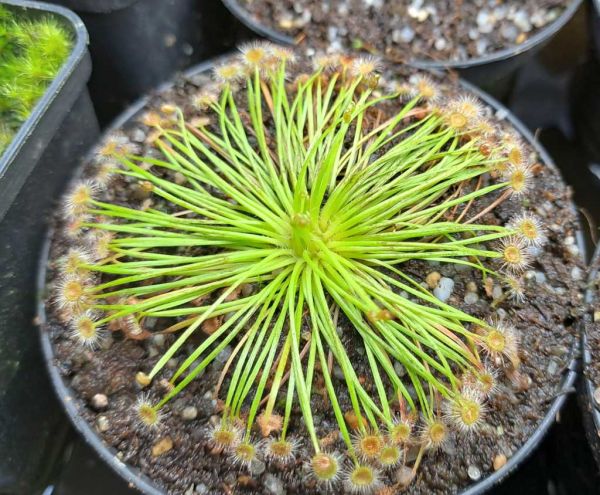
{"points": [[499, 461], [102, 423], [497, 292], [444, 289], [257, 467], [99, 402], [474, 472], [409, 29], [158, 340], [471, 298], [201, 489], [274, 485], [189, 413]]}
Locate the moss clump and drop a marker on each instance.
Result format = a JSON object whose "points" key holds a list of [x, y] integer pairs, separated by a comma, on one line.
{"points": [[31, 53]]}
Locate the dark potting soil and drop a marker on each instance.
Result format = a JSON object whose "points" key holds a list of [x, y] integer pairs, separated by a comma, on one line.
{"points": [[182, 461], [404, 30]]}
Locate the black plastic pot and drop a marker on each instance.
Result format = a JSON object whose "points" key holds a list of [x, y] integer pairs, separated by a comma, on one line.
{"points": [[33, 169], [585, 95], [585, 98], [590, 408], [596, 27], [140, 481], [138, 44], [494, 73]]}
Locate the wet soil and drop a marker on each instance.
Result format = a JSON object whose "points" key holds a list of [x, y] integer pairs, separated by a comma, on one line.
{"points": [[545, 322], [405, 30]]}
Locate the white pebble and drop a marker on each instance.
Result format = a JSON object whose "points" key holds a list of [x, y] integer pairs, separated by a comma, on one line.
{"points": [[404, 35], [257, 467], [521, 20], [99, 402], [502, 114], [497, 292], [201, 489], [573, 250], [473, 34], [189, 413], [474, 472], [332, 33], [444, 289], [417, 13], [138, 136], [576, 273], [485, 21], [538, 19], [481, 45], [500, 12], [102, 423], [471, 298], [273, 485], [535, 251], [440, 44], [399, 369], [509, 32]]}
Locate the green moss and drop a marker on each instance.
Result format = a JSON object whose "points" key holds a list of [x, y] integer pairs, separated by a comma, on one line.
{"points": [[31, 54]]}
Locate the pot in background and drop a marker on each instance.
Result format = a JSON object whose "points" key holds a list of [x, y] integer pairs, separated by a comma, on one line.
{"points": [[585, 97], [585, 107], [33, 170], [596, 26], [589, 405], [138, 44], [494, 73]]}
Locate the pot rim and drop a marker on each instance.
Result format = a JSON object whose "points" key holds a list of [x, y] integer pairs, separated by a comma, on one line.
{"points": [[144, 484], [592, 409], [537, 39]]}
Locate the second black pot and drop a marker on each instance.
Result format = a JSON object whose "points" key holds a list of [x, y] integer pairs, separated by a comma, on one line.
{"points": [[494, 73], [589, 405], [137, 44], [40, 158]]}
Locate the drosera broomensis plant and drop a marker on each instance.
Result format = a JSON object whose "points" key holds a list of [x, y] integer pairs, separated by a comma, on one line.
{"points": [[294, 205]]}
